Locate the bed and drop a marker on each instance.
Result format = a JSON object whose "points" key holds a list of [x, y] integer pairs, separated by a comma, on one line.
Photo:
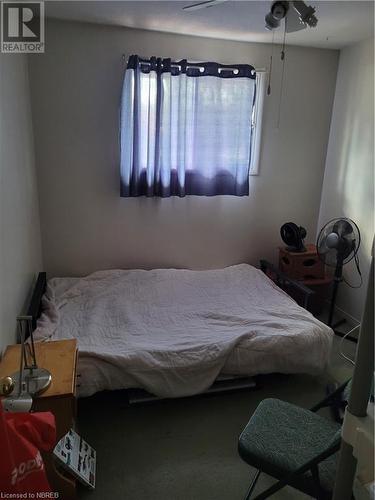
{"points": [[173, 332]]}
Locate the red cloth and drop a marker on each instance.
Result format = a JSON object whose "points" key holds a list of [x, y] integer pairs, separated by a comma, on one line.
{"points": [[22, 435]]}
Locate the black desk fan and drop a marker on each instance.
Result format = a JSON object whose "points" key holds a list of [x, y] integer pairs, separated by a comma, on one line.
{"points": [[337, 244], [293, 236]]}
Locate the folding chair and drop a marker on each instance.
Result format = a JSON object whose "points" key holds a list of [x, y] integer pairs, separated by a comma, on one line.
{"points": [[296, 446]]}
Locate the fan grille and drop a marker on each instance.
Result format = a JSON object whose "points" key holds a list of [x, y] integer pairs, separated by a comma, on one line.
{"points": [[348, 241]]}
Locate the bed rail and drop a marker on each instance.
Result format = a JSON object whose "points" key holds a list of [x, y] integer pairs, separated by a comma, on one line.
{"points": [[34, 308], [284, 281]]}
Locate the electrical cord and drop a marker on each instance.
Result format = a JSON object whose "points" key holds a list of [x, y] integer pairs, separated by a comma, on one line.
{"points": [[356, 260], [341, 345]]}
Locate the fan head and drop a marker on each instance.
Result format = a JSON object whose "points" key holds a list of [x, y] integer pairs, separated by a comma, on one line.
{"points": [[338, 241], [293, 236]]}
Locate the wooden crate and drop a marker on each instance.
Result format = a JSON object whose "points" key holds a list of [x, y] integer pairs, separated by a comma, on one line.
{"points": [[301, 265]]}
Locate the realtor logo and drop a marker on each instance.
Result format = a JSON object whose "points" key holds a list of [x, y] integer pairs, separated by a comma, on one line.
{"points": [[22, 27]]}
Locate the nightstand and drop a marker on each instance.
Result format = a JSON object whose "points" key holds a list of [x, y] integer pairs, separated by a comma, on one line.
{"points": [[60, 358]]}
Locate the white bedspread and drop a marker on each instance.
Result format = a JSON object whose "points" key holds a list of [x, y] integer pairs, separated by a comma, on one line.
{"points": [[173, 331]]}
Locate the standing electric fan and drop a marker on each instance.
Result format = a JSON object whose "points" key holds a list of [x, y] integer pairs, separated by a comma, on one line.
{"points": [[337, 244]]}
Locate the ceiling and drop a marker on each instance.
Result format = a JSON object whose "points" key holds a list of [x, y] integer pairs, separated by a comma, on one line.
{"points": [[341, 23]]}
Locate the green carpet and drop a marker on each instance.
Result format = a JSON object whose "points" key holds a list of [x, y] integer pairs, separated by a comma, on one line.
{"points": [[186, 449]]}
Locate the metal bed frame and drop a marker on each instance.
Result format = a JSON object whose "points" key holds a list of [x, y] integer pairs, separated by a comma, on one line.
{"points": [[34, 308], [285, 282]]}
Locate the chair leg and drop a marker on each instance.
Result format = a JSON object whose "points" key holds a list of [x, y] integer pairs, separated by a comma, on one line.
{"points": [[252, 485], [315, 475], [271, 490]]}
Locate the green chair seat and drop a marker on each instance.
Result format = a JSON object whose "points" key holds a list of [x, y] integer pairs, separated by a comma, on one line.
{"points": [[281, 437]]}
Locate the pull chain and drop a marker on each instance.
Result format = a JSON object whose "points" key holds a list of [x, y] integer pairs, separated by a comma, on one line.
{"points": [[270, 71], [282, 74], [283, 46]]}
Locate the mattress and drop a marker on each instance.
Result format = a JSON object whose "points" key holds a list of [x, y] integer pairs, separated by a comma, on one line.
{"points": [[174, 331]]}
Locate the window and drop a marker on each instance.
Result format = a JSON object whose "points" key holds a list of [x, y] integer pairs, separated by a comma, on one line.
{"points": [[189, 128]]}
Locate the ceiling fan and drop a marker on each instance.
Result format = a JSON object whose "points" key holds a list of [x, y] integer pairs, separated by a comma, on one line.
{"points": [[296, 13], [297, 16]]}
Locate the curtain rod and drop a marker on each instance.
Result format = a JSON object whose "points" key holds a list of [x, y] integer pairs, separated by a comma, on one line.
{"points": [[175, 65]]}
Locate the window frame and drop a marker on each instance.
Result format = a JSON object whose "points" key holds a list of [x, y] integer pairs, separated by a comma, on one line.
{"points": [[256, 125]]}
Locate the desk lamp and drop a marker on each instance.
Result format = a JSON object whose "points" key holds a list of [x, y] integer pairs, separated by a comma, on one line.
{"points": [[30, 380]]}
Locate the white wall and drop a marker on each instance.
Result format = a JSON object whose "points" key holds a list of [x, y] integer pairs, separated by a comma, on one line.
{"points": [[348, 189], [87, 226], [20, 248]]}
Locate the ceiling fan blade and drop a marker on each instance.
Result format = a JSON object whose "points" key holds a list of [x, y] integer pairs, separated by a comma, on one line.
{"points": [[202, 5], [293, 21]]}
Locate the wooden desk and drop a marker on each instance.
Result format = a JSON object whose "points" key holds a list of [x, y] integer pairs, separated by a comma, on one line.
{"points": [[60, 358]]}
